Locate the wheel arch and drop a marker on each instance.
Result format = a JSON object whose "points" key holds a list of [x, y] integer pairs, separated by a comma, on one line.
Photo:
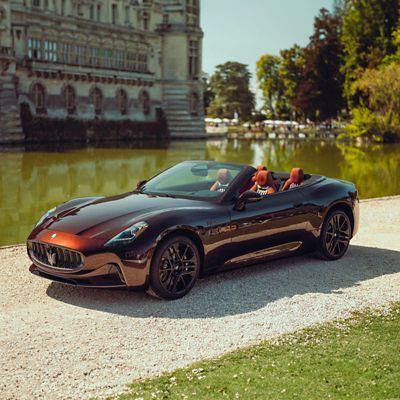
{"points": [[190, 234], [345, 208]]}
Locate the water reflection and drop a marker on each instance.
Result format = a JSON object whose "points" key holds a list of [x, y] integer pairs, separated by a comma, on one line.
{"points": [[33, 181]]}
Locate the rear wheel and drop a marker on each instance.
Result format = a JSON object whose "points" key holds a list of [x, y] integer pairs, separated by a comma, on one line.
{"points": [[174, 268], [335, 235]]}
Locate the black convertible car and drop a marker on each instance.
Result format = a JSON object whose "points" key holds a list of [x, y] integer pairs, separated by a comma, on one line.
{"points": [[193, 218]]}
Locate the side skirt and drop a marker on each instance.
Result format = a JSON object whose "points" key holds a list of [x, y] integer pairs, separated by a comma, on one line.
{"points": [[270, 253]]}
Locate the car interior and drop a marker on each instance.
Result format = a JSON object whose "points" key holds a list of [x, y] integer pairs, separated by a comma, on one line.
{"points": [[267, 182], [203, 180]]}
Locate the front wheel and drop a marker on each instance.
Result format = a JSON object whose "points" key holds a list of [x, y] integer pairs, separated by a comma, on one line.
{"points": [[174, 268], [335, 235]]}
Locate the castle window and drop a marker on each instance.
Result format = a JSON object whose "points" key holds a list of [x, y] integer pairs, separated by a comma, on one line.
{"points": [[127, 17], [122, 100], [114, 13], [69, 99], [142, 62], [98, 12], [94, 53], [131, 61], [36, 3], [80, 55], [193, 59], [35, 49], [194, 104], [106, 58], [38, 97], [97, 99], [146, 21], [145, 102], [119, 59], [50, 51], [91, 12], [66, 53], [143, 20], [62, 7], [192, 12]]}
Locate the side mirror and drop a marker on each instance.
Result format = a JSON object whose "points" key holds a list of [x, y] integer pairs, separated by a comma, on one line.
{"points": [[249, 196], [140, 184]]}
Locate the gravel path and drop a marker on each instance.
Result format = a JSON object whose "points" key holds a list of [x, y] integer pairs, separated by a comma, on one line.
{"points": [[59, 342]]}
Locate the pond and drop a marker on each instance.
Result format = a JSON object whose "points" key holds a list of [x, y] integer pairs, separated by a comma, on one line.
{"points": [[31, 182]]}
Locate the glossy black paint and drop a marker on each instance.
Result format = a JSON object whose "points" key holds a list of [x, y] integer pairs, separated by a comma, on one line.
{"points": [[227, 231]]}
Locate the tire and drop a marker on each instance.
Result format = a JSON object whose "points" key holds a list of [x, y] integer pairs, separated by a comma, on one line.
{"points": [[174, 269], [335, 235]]}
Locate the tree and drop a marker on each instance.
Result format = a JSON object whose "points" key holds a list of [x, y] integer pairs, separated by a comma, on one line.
{"points": [[379, 117], [367, 37], [270, 81], [230, 85], [320, 95], [208, 95], [292, 71]]}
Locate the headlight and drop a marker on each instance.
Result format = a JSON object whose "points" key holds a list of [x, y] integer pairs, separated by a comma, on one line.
{"points": [[128, 235], [46, 215]]}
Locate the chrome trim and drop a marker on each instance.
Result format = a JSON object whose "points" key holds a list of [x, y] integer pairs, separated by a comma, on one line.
{"points": [[72, 260]]}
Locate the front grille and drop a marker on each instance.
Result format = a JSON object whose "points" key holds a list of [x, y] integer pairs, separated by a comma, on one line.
{"points": [[54, 256]]}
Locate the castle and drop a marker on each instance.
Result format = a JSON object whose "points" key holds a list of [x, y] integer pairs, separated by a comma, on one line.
{"points": [[106, 61]]}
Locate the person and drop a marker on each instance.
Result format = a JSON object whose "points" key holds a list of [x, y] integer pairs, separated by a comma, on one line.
{"points": [[224, 178]]}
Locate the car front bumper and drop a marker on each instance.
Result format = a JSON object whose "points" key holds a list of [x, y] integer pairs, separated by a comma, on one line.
{"points": [[55, 258]]}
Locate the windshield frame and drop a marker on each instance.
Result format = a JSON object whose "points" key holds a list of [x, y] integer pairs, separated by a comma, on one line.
{"points": [[244, 171]]}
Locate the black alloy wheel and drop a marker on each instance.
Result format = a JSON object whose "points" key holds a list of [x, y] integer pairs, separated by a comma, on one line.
{"points": [[335, 235], [174, 268]]}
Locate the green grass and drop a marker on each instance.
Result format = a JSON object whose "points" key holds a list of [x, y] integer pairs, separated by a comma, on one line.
{"points": [[358, 358]]}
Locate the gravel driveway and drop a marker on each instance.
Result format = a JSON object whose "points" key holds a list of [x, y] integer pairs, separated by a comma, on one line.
{"points": [[59, 342]]}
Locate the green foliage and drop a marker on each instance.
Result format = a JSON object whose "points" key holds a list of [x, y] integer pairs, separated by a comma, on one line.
{"points": [[208, 95], [270, 81], [367, 37], [363, 123], [319, 95], [292, 70], [306, 80], [230, 85], [396, 56], [380, 118], [356, 359]]}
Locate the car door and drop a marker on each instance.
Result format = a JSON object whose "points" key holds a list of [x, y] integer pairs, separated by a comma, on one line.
{"points": [[275, 224]]}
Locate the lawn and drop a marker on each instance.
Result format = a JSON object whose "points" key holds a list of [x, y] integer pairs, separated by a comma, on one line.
{"points": [[358, 358]]}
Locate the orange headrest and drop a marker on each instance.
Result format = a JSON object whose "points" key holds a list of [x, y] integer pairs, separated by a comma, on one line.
{"points": [[259, 168], [264, 178], [224, 176], [297, 175]]}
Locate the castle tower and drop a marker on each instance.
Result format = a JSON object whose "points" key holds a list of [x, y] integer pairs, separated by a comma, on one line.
{"points": [[181, 68], [10, 126]]}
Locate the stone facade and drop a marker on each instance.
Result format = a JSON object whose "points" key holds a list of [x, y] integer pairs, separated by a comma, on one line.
{"points": [[101, 60]]}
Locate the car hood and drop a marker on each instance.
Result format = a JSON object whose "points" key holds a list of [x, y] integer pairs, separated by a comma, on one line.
{"points": [[105, 217]]}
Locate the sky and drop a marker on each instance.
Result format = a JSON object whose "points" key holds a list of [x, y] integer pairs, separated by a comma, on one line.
{"points": [[237, 30]]}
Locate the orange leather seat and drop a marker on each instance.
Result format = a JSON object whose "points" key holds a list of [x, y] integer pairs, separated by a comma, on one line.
{"points": [[264, 183], [224, 178], [296, 179], [259, 168]]}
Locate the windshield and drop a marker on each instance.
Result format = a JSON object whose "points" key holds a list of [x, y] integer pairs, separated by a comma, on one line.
{"points": [[194, 179]]}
